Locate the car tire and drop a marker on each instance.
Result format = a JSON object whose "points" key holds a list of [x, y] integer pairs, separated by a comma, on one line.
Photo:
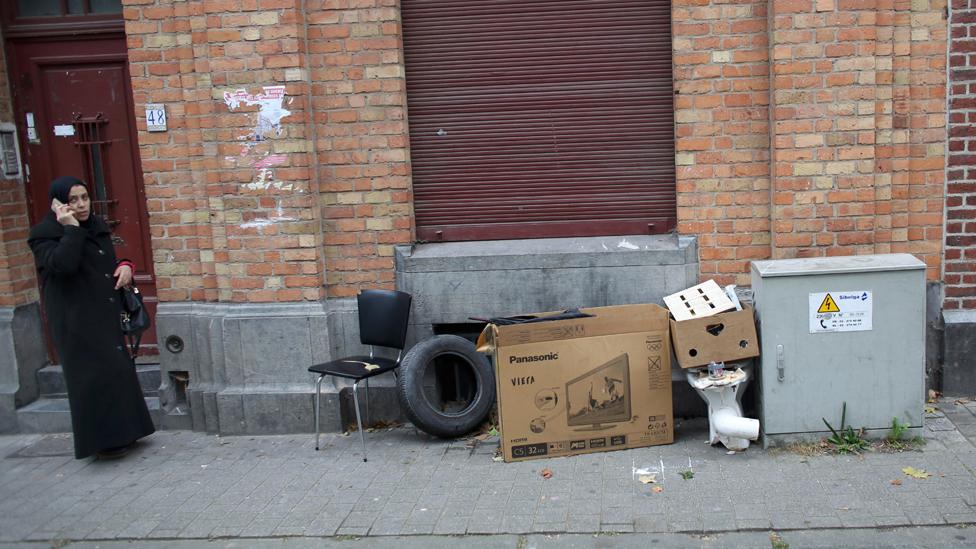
{"points": [[478, 374]]}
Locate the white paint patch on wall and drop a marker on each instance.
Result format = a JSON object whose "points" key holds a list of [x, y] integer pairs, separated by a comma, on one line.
{"points": [[260, 224], [265, 222]]}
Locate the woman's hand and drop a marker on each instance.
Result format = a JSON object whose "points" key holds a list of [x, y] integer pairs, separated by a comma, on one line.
{"points": [[123, 275], [64, 213]]}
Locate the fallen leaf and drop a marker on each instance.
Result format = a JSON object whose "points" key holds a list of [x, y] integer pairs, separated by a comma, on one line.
{"points": [[961, 401], [647, 479], [915, 473], [657, 489], [371, 367], [931, 409], [546, 473], [497, 458], [896, 482], [493, 432]]}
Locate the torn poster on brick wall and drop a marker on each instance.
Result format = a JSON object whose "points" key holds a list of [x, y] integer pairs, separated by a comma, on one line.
{"points": [[271, 109]]}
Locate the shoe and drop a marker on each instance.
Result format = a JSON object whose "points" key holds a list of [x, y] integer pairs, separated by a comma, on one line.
{"points": [[115, 453]]}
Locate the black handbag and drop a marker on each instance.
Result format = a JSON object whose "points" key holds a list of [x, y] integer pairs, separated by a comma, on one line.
{"points": [[134, 318]]}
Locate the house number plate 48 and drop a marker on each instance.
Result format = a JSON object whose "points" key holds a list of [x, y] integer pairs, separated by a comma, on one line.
{"points": [[155, 117]]}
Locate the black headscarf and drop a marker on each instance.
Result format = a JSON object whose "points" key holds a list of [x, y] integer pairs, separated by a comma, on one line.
{"points": [[61, 189]]}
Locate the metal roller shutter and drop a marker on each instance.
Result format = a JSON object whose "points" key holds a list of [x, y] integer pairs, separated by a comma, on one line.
{"points": [[540, 118]]}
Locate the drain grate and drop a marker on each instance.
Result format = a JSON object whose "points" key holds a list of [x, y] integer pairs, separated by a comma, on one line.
{"points": [[49, 446]]}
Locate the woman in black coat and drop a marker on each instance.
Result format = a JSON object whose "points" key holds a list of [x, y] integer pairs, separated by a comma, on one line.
{"points": [[80, 279]]}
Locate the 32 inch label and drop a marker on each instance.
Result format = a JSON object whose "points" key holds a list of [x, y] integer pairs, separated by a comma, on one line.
{"points": [[529, 450]]}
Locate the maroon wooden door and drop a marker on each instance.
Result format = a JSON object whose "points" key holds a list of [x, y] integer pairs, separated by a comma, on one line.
{"points": [[76, 94]]}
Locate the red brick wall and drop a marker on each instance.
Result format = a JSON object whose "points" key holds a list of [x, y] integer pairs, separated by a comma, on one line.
{"points": [[855, 105], [960, 252], [17, 280], [231, 200], [245, 213], [721, 71], [356, 66]]}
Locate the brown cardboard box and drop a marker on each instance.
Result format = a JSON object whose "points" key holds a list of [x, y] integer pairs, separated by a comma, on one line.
{"points": [[583, 385], [720, 338]]}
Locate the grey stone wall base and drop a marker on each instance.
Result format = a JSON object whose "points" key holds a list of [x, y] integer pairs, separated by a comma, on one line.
{"points": [[934, 336], [959, 359], [8, 412], [249, 412], [22, 354], [384, 407], [247, 364]]}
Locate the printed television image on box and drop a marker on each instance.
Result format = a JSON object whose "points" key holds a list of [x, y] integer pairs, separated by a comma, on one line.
{"points": [[600, 397]]}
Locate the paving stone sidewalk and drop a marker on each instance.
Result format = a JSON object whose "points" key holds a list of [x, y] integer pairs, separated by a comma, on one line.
{"points": [[186, 485]]}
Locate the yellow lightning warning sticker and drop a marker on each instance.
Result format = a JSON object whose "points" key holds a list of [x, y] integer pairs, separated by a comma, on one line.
{"points": [[828, 305]]}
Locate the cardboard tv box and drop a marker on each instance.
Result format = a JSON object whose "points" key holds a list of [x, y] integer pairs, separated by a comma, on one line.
{"points": [[722, 337], [583, 385]]}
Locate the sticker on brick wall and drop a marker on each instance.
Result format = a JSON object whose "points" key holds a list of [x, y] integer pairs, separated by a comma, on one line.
{"points": [[841, 311]]}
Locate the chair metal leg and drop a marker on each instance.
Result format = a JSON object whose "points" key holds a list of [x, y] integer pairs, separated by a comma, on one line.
{"points": [[318, 391], [367, 401], [359, 421]]}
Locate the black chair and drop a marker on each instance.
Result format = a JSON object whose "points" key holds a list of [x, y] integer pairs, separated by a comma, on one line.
{"points": [[383, 317]]}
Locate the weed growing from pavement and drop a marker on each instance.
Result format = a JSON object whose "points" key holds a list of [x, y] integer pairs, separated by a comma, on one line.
{"points": [[896, 441], [687, 475], [847, 440], [776, 541]]}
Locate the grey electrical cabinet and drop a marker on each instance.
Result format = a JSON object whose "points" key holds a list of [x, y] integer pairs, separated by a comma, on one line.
{"points": [[839, 330]]}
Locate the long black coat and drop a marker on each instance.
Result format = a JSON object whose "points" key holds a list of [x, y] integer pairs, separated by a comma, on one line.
{"points": [[82, 305]]}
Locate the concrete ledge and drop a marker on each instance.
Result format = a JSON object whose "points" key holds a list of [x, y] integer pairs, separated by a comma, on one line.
{"points": [[454, 281], [550, 253]]}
